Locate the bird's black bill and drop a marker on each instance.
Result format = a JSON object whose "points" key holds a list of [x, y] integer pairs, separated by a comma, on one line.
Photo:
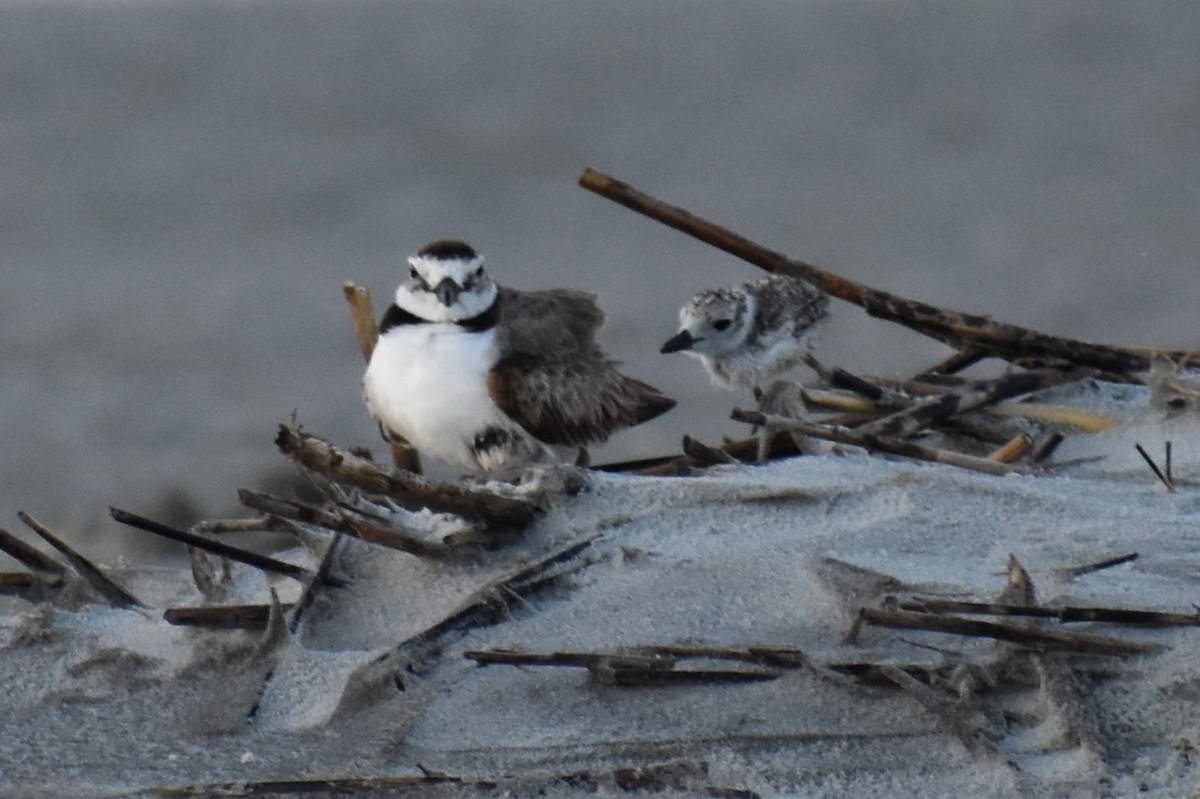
{"points": [[447, 292], [682, 340]]}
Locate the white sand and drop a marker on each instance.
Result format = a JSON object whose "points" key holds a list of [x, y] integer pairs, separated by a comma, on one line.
{"points": [[106, 702]]}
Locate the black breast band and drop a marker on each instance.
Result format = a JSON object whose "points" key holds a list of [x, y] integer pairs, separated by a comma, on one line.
{"points": [[397, 316]]}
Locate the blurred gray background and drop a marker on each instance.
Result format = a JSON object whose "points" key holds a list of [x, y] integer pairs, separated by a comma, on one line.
{"points": [[185, 186]]}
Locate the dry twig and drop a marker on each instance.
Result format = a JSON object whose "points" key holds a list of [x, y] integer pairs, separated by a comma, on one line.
{"points": [[875, 443], [243, 617], [652, 666], [263, 562], [30, 586], [32, 559], [1014, 449], [363, 313], [1166, 481], [905, 423], [1150, 618], [1030, 638], [1071, 572], [409, 490], [360, 528], [108, 588]]}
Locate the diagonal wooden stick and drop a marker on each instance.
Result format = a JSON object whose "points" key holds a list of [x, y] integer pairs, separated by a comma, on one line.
{"points": [[113, 592], [33, 559], [1028, 637], [1151, 618], [959, 330], [263, 562]]}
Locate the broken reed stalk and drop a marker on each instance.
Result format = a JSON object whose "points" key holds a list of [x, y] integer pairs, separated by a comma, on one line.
{"points": [[1028, 637], [935, 384], [1046, 448], [355, 528], [619, 676], [30, 586], [624, 669], [1154, 468], [1151, 618], [513, 657], [959, 330], [492, 602], [363, 314], [17, 582], [1087, 421], [111, 591], [323, 786], [875, 443], [321, 577], [259, 524], [32, 559], [701, 454], [643, 779], [963, 359], [240, 617], [1014, 449], [254, 559], [1018, 587], [1071, 572], [409, 490], [905, 423]]}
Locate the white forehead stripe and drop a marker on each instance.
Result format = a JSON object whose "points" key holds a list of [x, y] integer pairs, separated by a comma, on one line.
{"points": [[437, 268]]}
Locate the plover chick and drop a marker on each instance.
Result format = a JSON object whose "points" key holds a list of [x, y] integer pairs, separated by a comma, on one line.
{"points": [[749, 335], [488, 378]]}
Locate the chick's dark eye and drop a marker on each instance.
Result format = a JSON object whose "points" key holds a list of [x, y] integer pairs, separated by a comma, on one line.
{"points": [[722, 324], [413, 273]]}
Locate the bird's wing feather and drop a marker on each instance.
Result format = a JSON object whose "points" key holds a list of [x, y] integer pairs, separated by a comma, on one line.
{"points": [[791, 300], [573, 402], [554, 380], [554, 323]]}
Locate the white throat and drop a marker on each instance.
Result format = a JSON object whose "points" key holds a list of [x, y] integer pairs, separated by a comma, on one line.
{"points": [[428, 307]]}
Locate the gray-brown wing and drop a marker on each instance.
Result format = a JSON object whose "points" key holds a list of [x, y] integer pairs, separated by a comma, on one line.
{"points": [[783, 299], [555, 323], [572, 402]]}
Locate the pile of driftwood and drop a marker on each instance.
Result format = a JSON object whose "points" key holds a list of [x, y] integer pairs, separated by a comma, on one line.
{"points": [[885, 415]]}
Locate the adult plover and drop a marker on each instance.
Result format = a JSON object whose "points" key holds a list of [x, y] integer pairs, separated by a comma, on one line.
{"points": [[488, 378], [751, 334]]}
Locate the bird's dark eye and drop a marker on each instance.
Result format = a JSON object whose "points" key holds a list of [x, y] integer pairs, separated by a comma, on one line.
{"points": [[413, 273], [722, 324]]}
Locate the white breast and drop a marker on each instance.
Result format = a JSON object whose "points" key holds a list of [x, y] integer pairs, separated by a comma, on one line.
{"points": [[428, 382], [749, 367]]}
